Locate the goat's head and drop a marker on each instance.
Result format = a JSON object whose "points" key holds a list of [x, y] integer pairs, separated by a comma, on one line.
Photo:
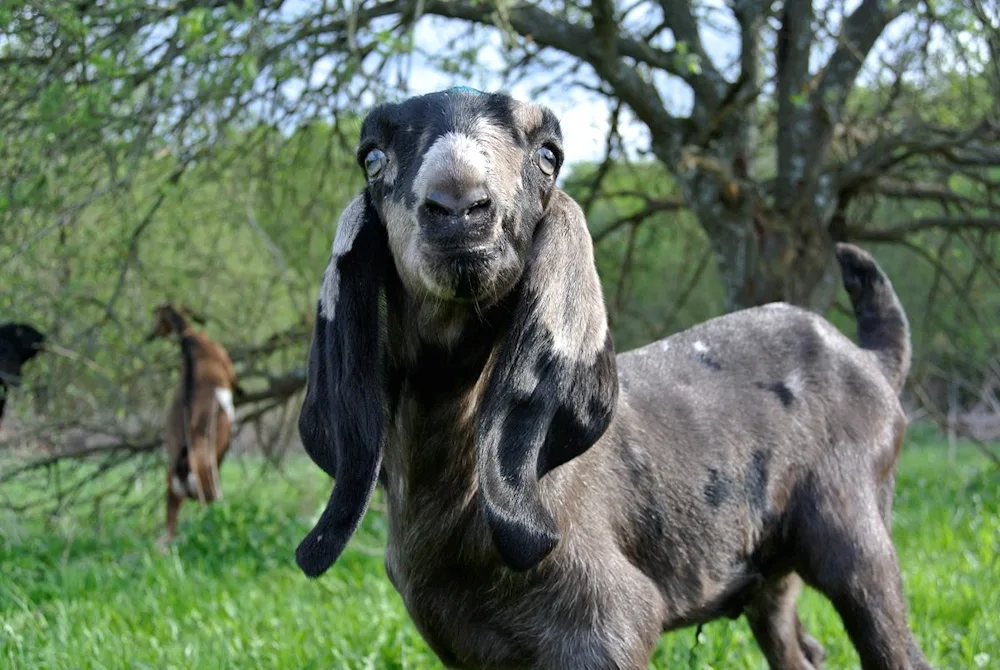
{"points": [[459, 180], [168, 319], [461, 202]]}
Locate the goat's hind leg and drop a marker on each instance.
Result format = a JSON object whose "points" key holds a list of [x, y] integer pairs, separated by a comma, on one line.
{"points": [[849, 557], [774, 619], [173, 507]]}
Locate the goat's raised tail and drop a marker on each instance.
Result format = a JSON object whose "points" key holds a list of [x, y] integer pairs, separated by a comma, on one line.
{"points": [[883, 327]]}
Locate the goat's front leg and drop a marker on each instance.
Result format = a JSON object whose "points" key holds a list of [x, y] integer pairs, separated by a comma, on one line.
{"points": [[774, 620]]}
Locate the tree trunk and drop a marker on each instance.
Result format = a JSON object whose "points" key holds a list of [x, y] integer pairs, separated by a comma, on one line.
{"points": [[764, 256], [767, 259]]}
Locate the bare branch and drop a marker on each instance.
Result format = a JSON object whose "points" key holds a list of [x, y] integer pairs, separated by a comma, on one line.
{"points": [[795, 41], [857, 37], [605, 167], [901, 189], [904, 230], [975, 145], [579, 41], [605, 28], [801, 183], [626, 269], [679, 17], [652, 207]]}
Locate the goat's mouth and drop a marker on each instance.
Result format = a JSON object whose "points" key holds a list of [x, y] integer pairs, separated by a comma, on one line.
{"points": [[467, 271], [461, 256]]}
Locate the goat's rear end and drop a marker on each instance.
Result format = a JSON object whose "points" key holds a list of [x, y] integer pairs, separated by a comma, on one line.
{"points": [[211, 430]]}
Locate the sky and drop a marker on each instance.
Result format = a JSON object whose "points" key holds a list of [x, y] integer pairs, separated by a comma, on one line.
{"points": [[584, 115]]}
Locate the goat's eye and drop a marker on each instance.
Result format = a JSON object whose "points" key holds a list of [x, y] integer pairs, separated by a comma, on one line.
{"points": [[375, 162], [546, 160]]}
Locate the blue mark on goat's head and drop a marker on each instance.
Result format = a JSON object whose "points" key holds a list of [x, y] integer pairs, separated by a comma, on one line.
{"points": [[464, 89]]}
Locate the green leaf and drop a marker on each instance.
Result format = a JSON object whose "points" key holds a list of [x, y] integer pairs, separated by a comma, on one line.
{"points": [[798, 99]]}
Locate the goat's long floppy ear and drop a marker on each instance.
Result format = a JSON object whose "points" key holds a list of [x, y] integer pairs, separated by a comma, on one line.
{"points": [[553, 387], [343, 415]]}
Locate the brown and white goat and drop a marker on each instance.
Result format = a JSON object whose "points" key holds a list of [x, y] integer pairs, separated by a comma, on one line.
{"points": [[200, 417]]}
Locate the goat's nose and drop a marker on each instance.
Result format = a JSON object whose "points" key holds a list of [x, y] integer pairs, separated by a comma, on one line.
{"points": [[457, 204]]}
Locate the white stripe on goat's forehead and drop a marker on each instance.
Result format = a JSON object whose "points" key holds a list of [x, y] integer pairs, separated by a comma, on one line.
{"points": [[457, 158]]}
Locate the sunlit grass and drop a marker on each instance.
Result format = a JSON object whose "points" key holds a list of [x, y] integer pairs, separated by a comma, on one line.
{"points": [[76, 593]]}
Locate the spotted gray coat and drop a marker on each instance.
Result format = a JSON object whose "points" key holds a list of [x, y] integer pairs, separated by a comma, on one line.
{"points": [[553, 505]]}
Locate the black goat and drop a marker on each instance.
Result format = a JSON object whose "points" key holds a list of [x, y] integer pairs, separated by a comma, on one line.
{"points": [[19, 343]]}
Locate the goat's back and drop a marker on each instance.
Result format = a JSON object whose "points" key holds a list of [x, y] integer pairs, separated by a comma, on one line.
{"points": [[213, 368], [775, 380]]}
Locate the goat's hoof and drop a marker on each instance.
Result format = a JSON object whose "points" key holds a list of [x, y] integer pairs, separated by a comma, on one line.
{"points": [[813, 650], [163, 544]]}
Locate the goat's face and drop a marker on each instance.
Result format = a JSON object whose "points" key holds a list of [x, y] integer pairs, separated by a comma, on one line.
{"points": [[459, 181], [166, 320]]}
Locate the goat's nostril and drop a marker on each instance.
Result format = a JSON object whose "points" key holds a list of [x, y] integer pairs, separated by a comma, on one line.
{"points": [[436, 208], [479, 205], [448, 204]]}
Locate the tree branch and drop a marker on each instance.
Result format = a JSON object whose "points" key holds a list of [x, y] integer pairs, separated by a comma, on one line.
{"points": [[741, 96], [794, 127], [709, 85], [579, 41], [904, 189], [976, 145], [652, 207], [605, 28], [858, 34], [904, 230], [605, 167]]}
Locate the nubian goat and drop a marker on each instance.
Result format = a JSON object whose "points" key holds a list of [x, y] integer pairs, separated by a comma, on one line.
{"points": [[200, 418], [19, 343], [550, 504]]}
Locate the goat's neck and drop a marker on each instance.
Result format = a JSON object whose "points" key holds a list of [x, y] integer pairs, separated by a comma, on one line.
{"points": [[439, 362], [184, 336], [186, 340], [179, 324]]}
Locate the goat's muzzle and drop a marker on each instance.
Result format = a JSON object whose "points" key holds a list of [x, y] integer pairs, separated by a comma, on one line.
{"points": [[462, 226]]}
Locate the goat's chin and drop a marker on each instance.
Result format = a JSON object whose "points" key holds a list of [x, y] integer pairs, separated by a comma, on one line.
{"points": [[479, 276]]}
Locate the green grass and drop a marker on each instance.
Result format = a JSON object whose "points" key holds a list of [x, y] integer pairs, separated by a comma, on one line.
{"points": [[87, 593]]}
